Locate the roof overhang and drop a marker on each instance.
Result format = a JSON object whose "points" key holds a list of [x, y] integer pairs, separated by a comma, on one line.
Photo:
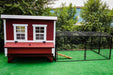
{"points": [[28, 17]]}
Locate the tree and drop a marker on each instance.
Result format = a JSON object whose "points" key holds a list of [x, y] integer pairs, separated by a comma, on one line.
{"points": [[65, 22], [66, 17], [96, 16], [25, 7]]}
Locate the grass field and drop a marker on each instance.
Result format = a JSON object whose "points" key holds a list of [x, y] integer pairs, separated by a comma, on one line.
{"points": [[79, 55], [34, 66]]}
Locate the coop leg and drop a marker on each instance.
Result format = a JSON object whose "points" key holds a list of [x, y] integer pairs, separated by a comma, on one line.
{"points": [[10, 59], [50, 59]]}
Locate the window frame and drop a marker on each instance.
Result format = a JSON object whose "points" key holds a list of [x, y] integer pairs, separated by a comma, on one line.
{"points": [[15, 36], [34, 33]]}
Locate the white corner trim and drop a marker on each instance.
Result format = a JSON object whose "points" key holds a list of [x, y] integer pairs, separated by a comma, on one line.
{"points": [[45, 33], [5, 51], [28, 17], [54, 30], [53, 49], [4, 31], [14, 30]]}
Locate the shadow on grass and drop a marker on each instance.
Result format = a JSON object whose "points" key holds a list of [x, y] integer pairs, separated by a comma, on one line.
{"points": [[30, 60]]}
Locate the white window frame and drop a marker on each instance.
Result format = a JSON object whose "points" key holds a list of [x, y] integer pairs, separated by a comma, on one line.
{"points": [[45, 30], [14, 27]]}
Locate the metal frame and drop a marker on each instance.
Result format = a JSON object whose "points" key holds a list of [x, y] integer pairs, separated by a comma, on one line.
{"points": [[109, 37]]}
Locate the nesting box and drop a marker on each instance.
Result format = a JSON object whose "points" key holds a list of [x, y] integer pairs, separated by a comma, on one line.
{"points": [[29, 36]]}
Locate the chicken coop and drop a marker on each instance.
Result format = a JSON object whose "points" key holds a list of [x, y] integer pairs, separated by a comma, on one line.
{"points": [[29, 36]]}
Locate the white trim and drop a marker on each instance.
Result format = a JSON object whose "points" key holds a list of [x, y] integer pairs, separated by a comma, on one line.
{"points": [[33, 33], [53, 49], [4, 31], [5, 51], [29, 41], [39, 25], [28, 17], [14, 30], [45, 30], [54, 30], [20, 24]]}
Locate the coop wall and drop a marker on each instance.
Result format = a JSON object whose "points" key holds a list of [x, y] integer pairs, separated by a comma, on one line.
{"points": [[10, 32]]}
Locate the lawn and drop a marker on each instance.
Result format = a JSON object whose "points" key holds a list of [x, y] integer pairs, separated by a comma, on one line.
{"points": [[79, 55], [34, 66]]}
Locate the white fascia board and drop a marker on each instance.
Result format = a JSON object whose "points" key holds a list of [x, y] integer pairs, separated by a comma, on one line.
{"points": [[28, 17]]}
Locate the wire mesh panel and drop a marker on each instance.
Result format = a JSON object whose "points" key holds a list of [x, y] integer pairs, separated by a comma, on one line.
{"points": [[70, 46], [77, 46], [95, 48]]}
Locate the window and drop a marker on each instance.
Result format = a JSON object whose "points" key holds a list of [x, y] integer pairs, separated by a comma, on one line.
{"points": [[39, 32], [20, 31]]}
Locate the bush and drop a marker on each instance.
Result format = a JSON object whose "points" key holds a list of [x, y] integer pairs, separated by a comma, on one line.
{"points": [[78, 28]]}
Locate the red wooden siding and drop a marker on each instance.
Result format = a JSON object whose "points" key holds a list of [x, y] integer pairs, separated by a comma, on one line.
{"points": [[29, 51], [28, 45], [10, 33], [9, 30]]}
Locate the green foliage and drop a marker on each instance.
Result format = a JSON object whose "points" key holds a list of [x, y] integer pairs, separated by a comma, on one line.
{"points": [[65, 17], [78, 28], [96, 15], [1, 30], [25, 7]]}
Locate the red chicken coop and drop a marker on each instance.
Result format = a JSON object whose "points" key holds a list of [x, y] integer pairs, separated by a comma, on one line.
{"points": [[29, 36]]}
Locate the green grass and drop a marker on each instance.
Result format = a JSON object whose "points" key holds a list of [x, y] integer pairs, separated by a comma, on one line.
{"points": [[79, 55], [34, 66]]}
